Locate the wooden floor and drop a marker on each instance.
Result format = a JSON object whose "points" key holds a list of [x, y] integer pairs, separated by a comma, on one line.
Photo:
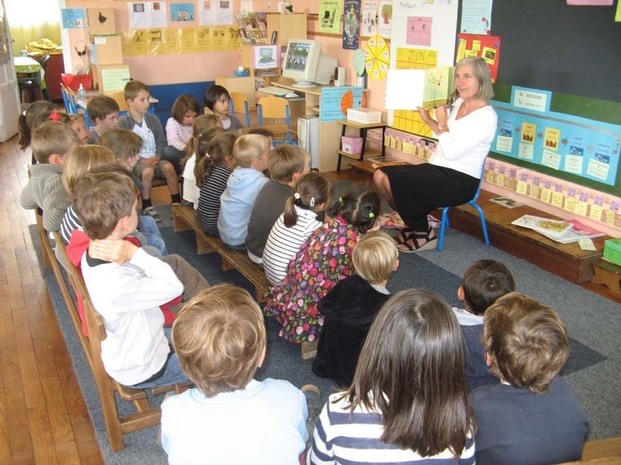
{"points": [[43, 417]]}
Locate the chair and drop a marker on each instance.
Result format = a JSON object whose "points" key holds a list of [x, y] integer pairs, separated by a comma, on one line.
{"points": [[444, 221], [31, 81], [239, 102], [71, 106], [276, 109], [117, 425]]}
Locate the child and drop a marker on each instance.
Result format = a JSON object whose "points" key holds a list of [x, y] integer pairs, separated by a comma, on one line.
{"points": [[77, 124], [79, 162], [312, 194], [408, 400], [149, 128], [533, 416], [125, 144], [286, 164], [104, 112], [484, 282], [179, 129], [25, 120], [323, 260], [243, 186], [212, 173], [52, 141], [350, 307], [218, 101], [190, 186], [127, 286], [229, 417]]}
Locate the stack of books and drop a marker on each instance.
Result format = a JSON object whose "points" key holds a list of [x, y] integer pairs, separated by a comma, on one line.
{"points": [[562, 231]]}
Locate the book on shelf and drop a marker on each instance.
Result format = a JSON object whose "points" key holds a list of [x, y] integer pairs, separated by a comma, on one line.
{"points": [[562, 231], [507, 202], [252, 28]]}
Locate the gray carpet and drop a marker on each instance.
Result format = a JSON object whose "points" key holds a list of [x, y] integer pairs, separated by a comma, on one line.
{"points": [[593, 323]]}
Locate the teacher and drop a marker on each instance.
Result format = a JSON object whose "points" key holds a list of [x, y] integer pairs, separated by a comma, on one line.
{"points": [[455, 168]]}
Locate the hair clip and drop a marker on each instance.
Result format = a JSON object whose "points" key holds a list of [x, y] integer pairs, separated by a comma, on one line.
{"points": [[54, 116], [340, 199], [296, 196], [371, 215], [312, 202]]}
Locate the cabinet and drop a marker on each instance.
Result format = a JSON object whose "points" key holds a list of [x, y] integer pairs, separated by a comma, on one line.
{"points": [[362, 129], [243, 85], [288, 26]]}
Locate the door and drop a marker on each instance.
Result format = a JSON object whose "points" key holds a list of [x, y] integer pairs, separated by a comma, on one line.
{"points": [[9, 92]]}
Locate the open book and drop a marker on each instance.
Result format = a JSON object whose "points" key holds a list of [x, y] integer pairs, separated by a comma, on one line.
{"points": [[562, 231]]}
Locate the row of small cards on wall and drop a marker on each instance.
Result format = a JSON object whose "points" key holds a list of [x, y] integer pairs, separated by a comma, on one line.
{"points": [[575, 199]]}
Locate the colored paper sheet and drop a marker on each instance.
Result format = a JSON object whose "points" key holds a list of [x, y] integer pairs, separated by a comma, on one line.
{"points": [[484, 46], [369, 15], [334, 102], [181, 12], [330, 16], [476, 17]]}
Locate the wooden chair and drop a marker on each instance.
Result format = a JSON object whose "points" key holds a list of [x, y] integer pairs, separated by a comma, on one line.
{"points": [[239, 103], [277, 110], [117, 425]]}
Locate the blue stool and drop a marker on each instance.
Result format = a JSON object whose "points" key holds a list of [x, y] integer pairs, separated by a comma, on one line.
{"points": [[444, 222]]}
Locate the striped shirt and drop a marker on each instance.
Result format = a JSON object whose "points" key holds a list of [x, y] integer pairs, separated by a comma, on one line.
{"points": [[283, 243], [209, 198], [69, 223], [344, 438]]}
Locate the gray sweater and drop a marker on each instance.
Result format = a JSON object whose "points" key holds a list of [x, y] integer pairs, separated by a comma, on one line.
{"points": [[153, 123]]}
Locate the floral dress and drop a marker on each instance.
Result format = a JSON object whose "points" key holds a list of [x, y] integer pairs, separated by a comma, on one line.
{"points": [[323, 260]]}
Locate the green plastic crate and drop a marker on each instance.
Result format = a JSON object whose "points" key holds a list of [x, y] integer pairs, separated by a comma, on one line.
{"points": [[612, 250]]}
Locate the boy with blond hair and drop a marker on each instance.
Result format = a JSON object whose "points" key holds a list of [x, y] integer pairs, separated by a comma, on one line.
{"points": [[229, 417], [127, 286], [533, 416], [52, 141], [286, 164], [243, 186], [150, 163], [104, 112], [484, 282], [350, 307]]}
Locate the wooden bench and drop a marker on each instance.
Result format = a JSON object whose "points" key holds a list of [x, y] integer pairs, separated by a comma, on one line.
{"points": [[185, 219]]}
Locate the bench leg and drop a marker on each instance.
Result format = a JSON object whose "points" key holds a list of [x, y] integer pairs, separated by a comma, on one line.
{"points": [[202, 246], [226, 265], [260, 296], [179, 224]]}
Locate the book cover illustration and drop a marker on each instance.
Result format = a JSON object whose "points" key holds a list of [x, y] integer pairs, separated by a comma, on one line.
{"points": [[351, 24], [553, 229]]}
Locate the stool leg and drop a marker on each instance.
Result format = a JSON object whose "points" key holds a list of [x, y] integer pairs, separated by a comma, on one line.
{"points": [[444, 223]]}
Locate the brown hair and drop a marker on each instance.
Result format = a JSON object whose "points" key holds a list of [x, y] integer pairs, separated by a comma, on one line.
{"points": [[102, 197], [25, 120], [219, 337], [53, 115], [81, 161], [359, 207], [201, 124], [248, 148], [132, 88], [123, 142], [374, 257], [312, 190], [286, 160], [213, 147], [526, 342], [261, 131], [182, 105], [415, 339], [53, 137], [100, 106], [484, 282]]}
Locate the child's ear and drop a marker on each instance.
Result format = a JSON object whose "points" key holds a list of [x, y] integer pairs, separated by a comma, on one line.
{"points": [[395, 265], [262, 357], [55, 159], [460, 293]]}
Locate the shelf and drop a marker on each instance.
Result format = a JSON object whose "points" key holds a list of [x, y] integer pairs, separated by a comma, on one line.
{"points": [[356, 156]]}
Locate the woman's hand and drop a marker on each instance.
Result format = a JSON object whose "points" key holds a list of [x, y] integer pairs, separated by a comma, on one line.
{"points": [[441, 116], [424, 115]]}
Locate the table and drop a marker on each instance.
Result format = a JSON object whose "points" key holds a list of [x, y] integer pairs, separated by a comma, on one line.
{"points": [[29, 78]]}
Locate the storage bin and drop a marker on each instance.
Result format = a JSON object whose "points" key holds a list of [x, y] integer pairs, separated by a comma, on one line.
{"points": [[351, 144], [73, 81], [612, 250]]}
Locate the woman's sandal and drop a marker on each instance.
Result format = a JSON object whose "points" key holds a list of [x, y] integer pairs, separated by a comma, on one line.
{"points": [[408, 241]]}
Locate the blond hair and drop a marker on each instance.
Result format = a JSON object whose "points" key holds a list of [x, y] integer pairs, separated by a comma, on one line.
{"points": [[286, 160], [123, 142], [219, 337], [82, 160], [53, 138], [201, 124], [374, 257], [248, 148], [526, 342]]}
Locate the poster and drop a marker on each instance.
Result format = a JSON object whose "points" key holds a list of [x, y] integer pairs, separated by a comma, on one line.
{"points": [[369, 18], [73, 18], [476, 17], [351, 24], [180, 12], [335, 101], [144, 15], [385, 18], [330, 16], [487, 47]]}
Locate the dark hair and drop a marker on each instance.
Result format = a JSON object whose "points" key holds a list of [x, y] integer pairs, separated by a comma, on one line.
{"points": [[182, 105], [412, 370], [312, 190], [213, 94], [100, 106], [359, 206], [213, 147], [484, 282], [53, 115], [25, 120]]}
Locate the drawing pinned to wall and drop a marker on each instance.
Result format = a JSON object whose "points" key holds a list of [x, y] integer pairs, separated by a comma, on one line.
{"points": [[73, 18], [487, 47], [351, 24], [385, 18], [368, 13], [181, 12], [207, 13], [419, 31], [330, 16], [377, 56], [145, 15], [476, 17]]}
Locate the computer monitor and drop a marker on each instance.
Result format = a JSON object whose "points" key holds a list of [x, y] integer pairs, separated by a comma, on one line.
{"points": [[307, 65]]}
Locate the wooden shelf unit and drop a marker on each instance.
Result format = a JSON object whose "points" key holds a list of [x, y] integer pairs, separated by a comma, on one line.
{"points": [[362, 129]]}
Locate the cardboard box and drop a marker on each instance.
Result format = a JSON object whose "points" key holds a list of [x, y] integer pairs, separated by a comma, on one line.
{"points": [[351, 144], [110, 78], [612, 251], [106, 50], [101, 21], [364, 115]]}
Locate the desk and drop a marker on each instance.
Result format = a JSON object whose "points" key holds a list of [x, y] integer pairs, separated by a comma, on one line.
{"points": [[29, 78]]}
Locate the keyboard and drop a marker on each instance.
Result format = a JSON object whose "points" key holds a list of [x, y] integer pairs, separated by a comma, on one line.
{"points": [[273, 90]]}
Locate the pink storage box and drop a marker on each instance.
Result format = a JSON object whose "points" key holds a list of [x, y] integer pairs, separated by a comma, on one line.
{"points": [[351, 144]]}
